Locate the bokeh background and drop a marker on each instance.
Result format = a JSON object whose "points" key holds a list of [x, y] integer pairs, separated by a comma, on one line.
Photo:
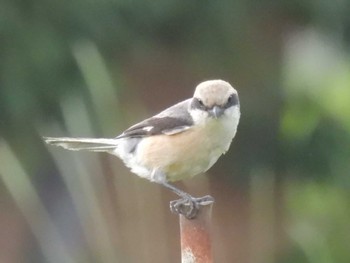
{"points": [[92, 68]]}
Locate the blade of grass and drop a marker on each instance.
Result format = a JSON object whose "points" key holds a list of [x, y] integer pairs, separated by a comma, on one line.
{"points": [[89, 182], [23, 192]]}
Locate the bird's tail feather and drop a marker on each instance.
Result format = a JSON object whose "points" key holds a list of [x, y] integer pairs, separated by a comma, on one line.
{"points": [[87, 144]]}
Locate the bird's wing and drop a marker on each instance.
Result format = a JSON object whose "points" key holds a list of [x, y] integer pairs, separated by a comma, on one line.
{"points": [[171, 121]]}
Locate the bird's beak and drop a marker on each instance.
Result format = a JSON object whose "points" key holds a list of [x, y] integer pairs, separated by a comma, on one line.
{"points": [[216, 112]]}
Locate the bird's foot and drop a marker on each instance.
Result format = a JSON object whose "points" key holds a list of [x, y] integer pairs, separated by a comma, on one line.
{"points": [[189, 206]]}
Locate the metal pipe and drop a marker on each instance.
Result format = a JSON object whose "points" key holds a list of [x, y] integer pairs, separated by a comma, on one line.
{"points": [[196, 235]]}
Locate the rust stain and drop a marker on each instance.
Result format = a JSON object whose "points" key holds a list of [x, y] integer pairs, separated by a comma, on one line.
{"points": [[196, 237]]}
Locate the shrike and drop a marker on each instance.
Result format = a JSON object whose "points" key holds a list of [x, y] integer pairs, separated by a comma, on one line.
{"points": [[178, 143]]}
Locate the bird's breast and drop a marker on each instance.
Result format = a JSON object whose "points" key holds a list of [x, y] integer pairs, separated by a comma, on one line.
{"points": [[186, 154]]}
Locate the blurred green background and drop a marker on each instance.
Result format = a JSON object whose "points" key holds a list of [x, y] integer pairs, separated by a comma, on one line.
{"points": [[92, 68]]}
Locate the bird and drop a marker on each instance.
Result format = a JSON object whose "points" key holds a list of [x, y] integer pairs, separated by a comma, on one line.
{"points": [[178, 143]]}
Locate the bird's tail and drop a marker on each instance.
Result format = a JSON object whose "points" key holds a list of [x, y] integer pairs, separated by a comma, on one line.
{"points": [[87, 144]]}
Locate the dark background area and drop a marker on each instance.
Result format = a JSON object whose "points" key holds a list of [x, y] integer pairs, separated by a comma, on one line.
{"points": [[92, 68]]}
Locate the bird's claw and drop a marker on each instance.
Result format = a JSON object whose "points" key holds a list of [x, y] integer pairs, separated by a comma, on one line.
{"points": [[189, 206]]}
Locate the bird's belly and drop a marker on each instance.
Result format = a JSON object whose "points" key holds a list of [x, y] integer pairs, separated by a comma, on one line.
{"points": [[186, 168], [186, 154]]}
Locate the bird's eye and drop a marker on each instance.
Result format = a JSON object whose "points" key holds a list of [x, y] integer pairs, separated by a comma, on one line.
{"points": [[198, 104], [232, 100]]}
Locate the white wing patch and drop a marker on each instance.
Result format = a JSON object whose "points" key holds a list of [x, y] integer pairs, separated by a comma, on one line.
{"points": [[148, 128], [176, 130]]}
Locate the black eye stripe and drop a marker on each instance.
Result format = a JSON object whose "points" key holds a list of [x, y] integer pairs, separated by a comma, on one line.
{"points": [[231, 101], [197, 104]]}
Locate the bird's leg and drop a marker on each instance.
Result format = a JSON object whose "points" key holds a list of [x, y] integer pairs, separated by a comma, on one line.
{"points": [[187, 205]]}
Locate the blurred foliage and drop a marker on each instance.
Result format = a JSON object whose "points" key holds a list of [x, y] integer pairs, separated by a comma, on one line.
{"points": [[315, 122], [37, 66], [319, 216], [290, 61]]}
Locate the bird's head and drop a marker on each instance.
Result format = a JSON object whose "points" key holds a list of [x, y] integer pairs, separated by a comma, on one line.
{"points": [[214, 99]]}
